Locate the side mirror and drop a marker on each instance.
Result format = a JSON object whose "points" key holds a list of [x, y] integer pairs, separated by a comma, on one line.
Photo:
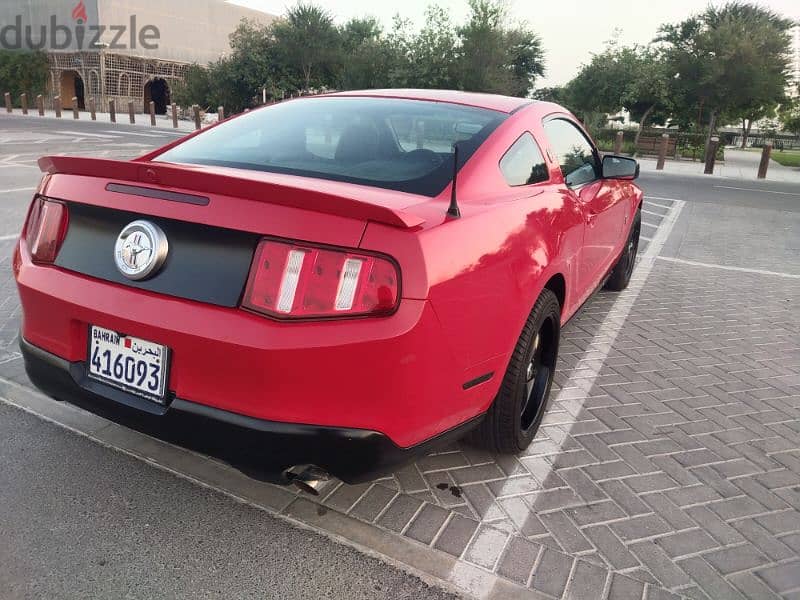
{"points": [[620, 167]]}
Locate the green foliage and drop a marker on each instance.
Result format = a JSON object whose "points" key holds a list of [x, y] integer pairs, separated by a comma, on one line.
{"points": [[633, 78], [729, 61], [23, 72], [789, 115], [787, 158], [308, 44], [494, 58], [305, 51]]}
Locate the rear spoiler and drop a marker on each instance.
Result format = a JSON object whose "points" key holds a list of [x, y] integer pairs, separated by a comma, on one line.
{"points": [[286, 190]]}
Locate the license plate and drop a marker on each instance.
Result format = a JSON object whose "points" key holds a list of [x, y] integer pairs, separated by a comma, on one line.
{"points": [[129, 363]]}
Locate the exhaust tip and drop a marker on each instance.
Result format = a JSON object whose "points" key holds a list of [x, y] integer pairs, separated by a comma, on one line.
{"points": [[307, 478]]}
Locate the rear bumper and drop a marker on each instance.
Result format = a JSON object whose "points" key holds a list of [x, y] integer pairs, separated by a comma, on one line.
{"points": [[395, 375], [260, 448]]}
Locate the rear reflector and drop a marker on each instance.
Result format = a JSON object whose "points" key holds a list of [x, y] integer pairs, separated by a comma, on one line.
{"points": [[292, 281], [45, 229]]}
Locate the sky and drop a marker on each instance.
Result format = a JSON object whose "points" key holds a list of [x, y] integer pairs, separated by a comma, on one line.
{"points": [[570, 29]]}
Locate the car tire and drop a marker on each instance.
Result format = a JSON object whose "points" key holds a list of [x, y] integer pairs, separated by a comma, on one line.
{"points": [[620, 275], [514, 417]]}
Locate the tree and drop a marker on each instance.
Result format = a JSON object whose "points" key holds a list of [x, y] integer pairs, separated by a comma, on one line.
{"points": [[369, 58], [427, 58], [729, 61], [789, 115], [309, 43], [23, 72], [494, 58]]}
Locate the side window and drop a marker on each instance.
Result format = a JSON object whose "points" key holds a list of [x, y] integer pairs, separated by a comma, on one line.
{"points": [[523, 163], [574, 153]]}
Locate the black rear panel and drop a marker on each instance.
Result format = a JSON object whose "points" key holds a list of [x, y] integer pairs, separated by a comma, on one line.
{"points": [[207, 264]]}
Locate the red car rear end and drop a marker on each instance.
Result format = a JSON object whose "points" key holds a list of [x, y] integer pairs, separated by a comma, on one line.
{"points": [[293, 316]]}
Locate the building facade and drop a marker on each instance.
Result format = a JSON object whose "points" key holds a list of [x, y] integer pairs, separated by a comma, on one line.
{"points": [[122, 50]]}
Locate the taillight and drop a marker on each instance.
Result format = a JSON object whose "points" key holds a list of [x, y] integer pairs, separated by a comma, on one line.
{"points": [[298, 281], [46, 228]]}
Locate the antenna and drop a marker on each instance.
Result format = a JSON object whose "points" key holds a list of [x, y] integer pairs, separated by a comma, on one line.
{"points": [[453, 210]]}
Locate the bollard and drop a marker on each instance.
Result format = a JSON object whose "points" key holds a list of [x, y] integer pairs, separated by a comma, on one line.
{"points": [[75, 112], [764, 164], [220, 113], [131, 115], [23, 99], [93, 109], [112, 111], [9, 108], [196, 110], [57, 106], [618, 142], [174, 115], [711, 155], [152, 113], [40, 104], [662, 152]]}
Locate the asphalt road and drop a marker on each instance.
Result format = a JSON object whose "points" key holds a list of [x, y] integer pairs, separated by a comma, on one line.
{"points": [[80, 520]]}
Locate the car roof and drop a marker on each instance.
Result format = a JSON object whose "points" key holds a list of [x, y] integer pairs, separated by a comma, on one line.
{"points": [[506, 104]]}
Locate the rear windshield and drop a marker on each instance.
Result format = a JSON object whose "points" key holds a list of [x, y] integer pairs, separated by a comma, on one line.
{"points": [[404, 145]]}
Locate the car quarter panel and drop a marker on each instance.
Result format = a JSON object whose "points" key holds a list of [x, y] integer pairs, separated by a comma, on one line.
{"points": [[484, 271]]}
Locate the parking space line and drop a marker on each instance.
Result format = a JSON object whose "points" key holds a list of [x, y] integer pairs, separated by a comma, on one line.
{"points": [[598, 348], [696, 263], [649, 225], [662, 198], [728, 187], [650, 212], [12, 190], [5, 238]]}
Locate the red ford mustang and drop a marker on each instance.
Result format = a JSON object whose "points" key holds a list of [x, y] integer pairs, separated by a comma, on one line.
{"points": [[330, 285]]}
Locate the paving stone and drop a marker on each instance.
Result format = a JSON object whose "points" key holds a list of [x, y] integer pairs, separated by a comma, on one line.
{"points": [[373, 503], [518, 559], [582, 485], [752, 587], [713, 525], [656, 593], [663, 507], [735, 508], [762, 539], [561, 528], [456, 535], [427, 523], [610, 547], [786, 521], [738, 558], [525, 520], [686, 542], [709, 580], [597, 512], [622, 495], [486, 547], [659, 564], [781, 578], [625, 588], [587, 580], [608, 470], [400, 512], [552, 572], [640, 527]]}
